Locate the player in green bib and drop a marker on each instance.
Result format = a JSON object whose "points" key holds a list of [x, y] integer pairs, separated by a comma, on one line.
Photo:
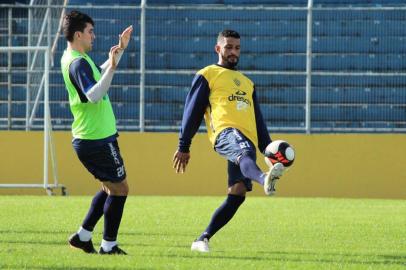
{"points": [[94, 129]]}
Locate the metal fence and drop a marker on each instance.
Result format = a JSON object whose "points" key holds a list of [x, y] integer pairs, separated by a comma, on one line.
{"points": [[347, 74]]}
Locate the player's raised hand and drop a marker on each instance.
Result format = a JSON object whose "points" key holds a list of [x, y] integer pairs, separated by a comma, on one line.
{"points": [[180, 161], [124, 37], [113, 56]]}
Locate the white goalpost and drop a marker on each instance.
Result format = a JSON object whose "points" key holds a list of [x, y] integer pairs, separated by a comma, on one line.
{"points": [[49, 150], [35, 24]]}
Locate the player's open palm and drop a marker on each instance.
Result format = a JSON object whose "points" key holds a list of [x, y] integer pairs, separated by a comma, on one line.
{"points": [[113, 55], [124, 37], [180, 161]]}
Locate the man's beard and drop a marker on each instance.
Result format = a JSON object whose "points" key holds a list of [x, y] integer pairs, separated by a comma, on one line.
{"points": [[228, 63]]}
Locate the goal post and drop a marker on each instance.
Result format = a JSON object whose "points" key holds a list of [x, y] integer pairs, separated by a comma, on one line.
{"points": [[49, 149]]}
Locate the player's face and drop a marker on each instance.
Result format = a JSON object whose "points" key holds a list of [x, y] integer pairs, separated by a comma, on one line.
{"points": [[228, 50], [87, 37]]}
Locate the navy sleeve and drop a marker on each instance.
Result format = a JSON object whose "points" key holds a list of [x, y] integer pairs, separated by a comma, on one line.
{"points": [[196, 103], [263, 136], [81, 75]]}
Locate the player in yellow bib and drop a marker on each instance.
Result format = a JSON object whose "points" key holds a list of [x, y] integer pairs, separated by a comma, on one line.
{"points": [[226, 99], [94, 129]]}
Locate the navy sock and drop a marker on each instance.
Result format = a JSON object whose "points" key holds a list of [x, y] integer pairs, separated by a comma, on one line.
{"points": [[222, 215], [113, 211], [250, 169], [95, 211]]}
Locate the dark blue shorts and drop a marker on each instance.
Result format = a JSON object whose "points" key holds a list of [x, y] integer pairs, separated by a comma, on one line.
{"points": [[101, 158], [232, 144]]}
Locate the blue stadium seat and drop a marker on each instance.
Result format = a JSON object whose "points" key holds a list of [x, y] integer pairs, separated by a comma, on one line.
{"points": [[163, 111], [284, 112], [359, 62], [327, 15], [17, 60], [58, 93], [208, 28], [18, 93], [205, 44], [59, 110], [359, 28], [230, 15], [358, 95], [196, 61], [119, 93], [358, 113], [3, 110], [279, 95], [103, 2], [363, 81], [369, 45], [174, 95], [18, 110], [273, 40], [231, 2], [126, 110]]}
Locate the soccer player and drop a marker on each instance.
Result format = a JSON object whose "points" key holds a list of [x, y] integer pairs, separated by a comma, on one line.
{"points": [[227, 100], [94, 129]]}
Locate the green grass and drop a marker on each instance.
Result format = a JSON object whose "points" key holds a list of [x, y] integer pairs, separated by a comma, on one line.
{"points": [[266, 233]]}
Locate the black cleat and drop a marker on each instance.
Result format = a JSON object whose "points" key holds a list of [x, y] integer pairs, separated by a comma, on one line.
{"points": [[114, 251], [75, 242]]}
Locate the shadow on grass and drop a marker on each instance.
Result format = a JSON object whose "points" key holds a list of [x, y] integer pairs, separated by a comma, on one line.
{"points": [[33, 232], [36, 242], [9, 266], [136, 233], [349, 257], [293, 257]]}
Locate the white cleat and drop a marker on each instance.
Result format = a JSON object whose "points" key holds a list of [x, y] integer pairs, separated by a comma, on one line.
{"points": [[272, 177], [200, 246]]}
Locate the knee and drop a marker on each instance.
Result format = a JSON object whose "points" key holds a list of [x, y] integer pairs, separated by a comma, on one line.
{"points": [[238, 189], [118, 189], [124, 190]]}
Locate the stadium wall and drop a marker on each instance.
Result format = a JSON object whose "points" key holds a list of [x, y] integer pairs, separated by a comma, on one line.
{"points": [[327, 165]]}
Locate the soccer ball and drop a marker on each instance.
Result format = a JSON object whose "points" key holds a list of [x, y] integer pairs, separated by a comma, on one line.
{"points": [[279, 151]]}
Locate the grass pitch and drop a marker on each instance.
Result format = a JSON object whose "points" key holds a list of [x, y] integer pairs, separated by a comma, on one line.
{"points": [[266, 233]]}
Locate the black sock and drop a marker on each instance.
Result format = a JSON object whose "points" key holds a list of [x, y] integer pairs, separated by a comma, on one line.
{"points": [[222, 215], [250, 169], [95, 211], [113, 211]]}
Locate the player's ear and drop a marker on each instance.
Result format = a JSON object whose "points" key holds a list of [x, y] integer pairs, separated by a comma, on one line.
{"points": [[77, 34], [217, 48]]}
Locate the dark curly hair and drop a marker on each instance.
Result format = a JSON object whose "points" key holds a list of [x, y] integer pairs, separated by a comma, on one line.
{"points": [[75, 21]]}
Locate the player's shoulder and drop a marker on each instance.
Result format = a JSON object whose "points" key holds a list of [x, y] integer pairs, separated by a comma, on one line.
{"points": [[209, 71], [79, 63]]}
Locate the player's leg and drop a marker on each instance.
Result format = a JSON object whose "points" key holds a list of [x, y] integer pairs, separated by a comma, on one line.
{"points": [[116, 186], [234, 146], [235, 197], [83, 238], [222, 215], [104, 162], [113, 212], [242, 151], [250, 169]]}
